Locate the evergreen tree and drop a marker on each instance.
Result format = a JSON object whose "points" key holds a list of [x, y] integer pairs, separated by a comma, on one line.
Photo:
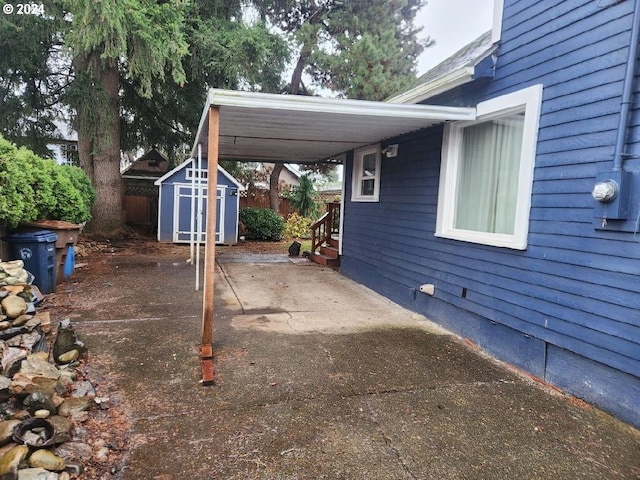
{"points": [[224, 52], [136, 39], [303, 197], [33, 76], [361, 49], [134, 72]]}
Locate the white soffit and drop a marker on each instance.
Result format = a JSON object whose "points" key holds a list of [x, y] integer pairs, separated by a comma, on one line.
{"points": [[300, 129]]}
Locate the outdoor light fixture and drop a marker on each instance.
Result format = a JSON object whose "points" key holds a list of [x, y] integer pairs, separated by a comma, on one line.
{"points": [[390, 151]]}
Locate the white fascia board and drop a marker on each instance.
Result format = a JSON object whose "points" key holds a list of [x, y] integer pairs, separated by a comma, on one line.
{"points": [[139, 177], [496, 29], [231, 178], [439, 85], [299, 103], [168, 174]]}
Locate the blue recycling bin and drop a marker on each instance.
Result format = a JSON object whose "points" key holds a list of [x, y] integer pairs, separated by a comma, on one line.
{"points": [[38, 252]]}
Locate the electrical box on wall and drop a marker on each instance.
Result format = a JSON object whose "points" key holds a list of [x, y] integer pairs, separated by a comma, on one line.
{"points": [[612, 192]]}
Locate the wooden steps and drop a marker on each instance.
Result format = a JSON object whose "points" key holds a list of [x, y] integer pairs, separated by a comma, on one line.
{"points": [[329, 255], [324, 237]]}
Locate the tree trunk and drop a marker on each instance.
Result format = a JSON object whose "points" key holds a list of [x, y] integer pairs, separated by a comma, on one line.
{"points": [[108, 208], [296, 76], [274, 191], [99, 149]]}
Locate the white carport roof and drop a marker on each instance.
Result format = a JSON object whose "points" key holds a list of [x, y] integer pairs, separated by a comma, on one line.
{"points": [[300, 129], [291, 129]]}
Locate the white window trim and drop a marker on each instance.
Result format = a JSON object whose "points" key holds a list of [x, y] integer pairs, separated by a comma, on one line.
{"points": [[529, 101], [358, 156], [189, 174]]}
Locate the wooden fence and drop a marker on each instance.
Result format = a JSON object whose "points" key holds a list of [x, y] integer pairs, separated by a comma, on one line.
{"points": [[258, 197]]}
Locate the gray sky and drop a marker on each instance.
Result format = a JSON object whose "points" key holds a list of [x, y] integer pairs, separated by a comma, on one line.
{"points": [[452, 24]]}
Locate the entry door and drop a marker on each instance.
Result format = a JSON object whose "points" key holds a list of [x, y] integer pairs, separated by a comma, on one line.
{"points": [[182, 214]]}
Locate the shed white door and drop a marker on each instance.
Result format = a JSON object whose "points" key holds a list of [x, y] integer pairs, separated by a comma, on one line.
{"points": [[182, 214]]}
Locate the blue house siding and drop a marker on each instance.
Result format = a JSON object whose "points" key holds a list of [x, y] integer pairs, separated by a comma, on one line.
{"points": [[167, 205], [566, 309]]}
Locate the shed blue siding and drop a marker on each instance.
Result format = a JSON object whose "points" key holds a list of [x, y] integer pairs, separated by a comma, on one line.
{"points": [[573, 296], [167, 205]]}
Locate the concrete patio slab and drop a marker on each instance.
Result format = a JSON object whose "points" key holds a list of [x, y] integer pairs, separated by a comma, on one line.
{"points": [[318, 377]]}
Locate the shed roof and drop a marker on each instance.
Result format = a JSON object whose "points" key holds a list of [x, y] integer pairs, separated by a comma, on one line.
{"points": [[298, 129], [153, 164]]}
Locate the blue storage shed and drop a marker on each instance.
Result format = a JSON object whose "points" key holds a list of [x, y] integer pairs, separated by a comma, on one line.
{"points": [[175, 204]]}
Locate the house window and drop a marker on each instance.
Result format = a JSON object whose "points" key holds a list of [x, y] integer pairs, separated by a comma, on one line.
{"points": [[366, 174], [487, 172]]}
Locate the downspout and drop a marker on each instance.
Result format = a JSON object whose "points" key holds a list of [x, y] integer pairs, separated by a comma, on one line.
{"points": [[627, 92], [613, 188]]}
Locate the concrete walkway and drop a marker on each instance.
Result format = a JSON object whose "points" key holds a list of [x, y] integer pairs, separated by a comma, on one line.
{"points": [[319, 378]]}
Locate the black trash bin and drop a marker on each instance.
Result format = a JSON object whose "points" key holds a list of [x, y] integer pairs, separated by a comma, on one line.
{"points": [[38, 252]]}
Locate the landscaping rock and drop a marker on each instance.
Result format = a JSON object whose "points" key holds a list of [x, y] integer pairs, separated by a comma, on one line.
{"points": [[75, 451], [13, 272], [5, 385], [21, 320], [36, 375], [13, 306], [38, 401], [26, 341], [6, 430], [63, 427], [46, 459], [66, 341], [67, 377], [12, 359], [10, 462], [68, 357], [37, 474], [73, 406], [32, 381], [84, 389]]}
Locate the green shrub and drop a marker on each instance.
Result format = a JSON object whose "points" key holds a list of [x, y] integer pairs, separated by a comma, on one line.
{"points": [[74, 195], [297, 226], [34, 189], [262, 223], [17, 197]]}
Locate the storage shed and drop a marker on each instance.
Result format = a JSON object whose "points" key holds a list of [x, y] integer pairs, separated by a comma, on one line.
{"points": [[176, 199]]}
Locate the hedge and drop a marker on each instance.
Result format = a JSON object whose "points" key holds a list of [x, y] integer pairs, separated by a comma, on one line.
{"points": [[32, 188]]}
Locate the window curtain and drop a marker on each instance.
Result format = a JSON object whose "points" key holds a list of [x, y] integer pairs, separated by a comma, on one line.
{"points": [[488, 175]]}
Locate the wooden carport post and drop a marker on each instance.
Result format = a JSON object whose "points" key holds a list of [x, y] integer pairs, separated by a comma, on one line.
{"points": [[206, 348]]}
